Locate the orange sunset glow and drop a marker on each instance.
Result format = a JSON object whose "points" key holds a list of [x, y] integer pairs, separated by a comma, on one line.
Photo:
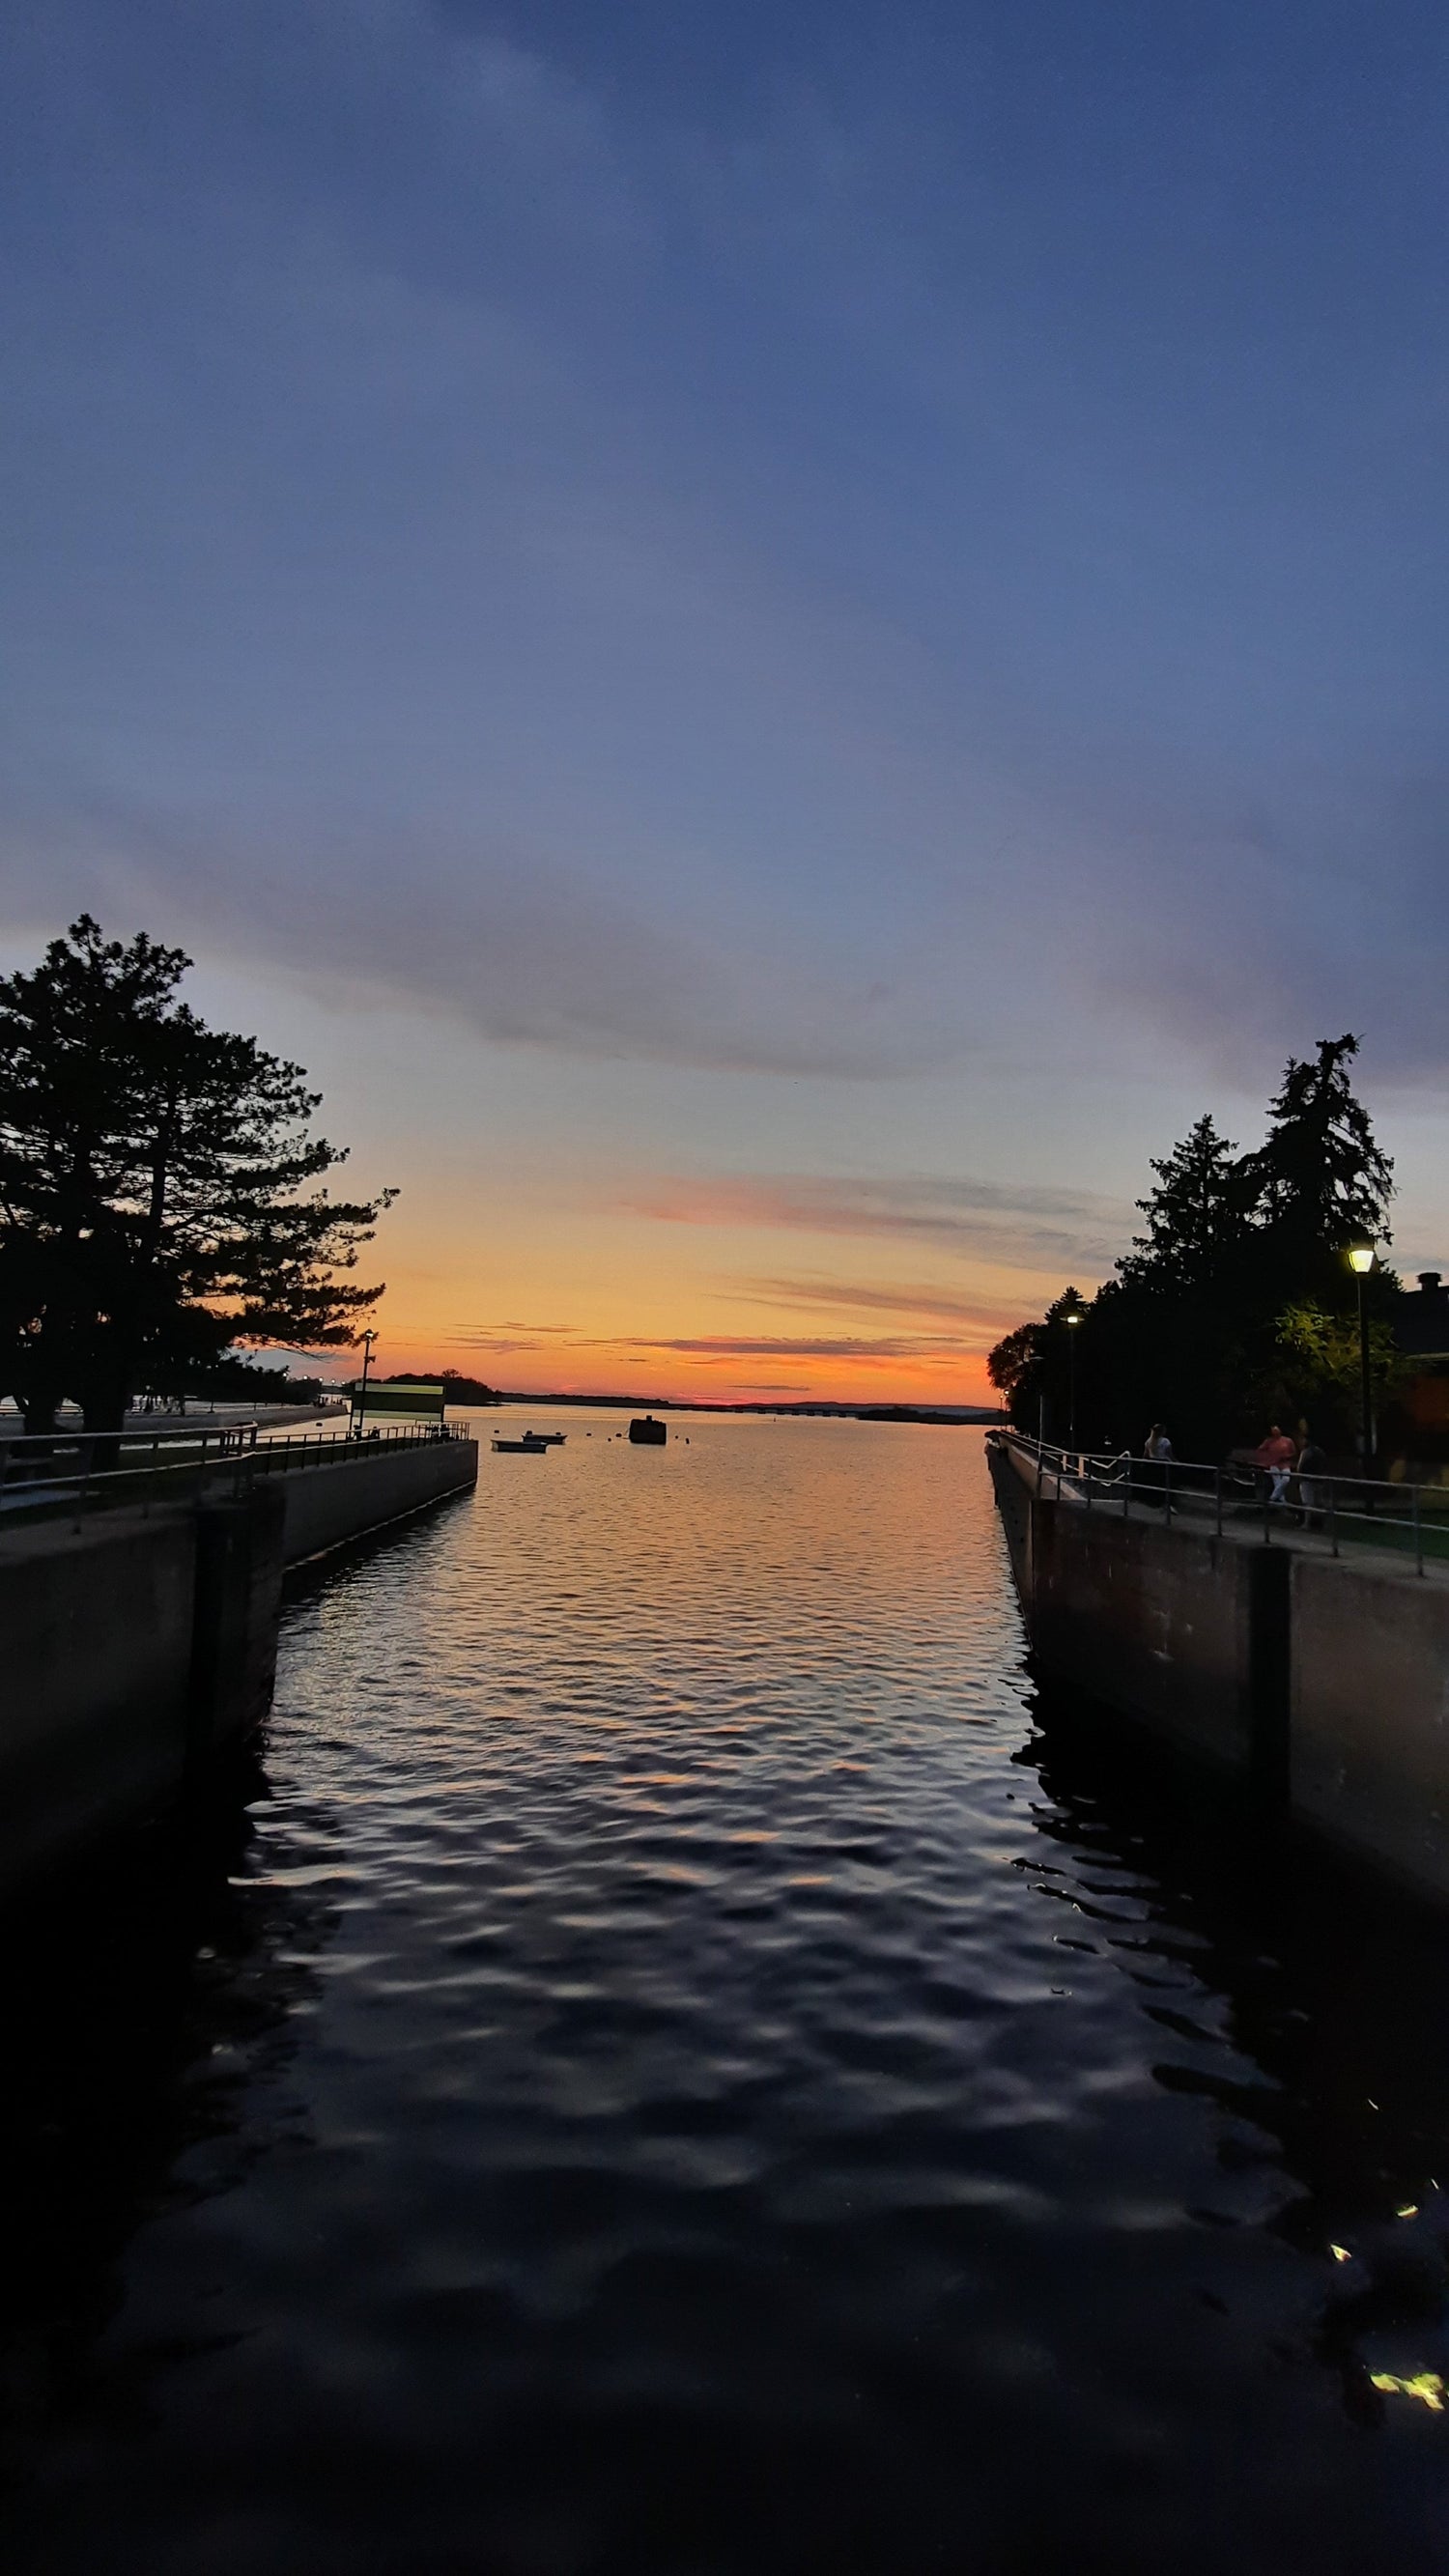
{"points": [[706, 1300]]}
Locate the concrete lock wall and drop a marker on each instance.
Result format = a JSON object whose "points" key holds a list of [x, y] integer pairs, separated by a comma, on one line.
{"points": [[238, 1602], [327, 1505], [95, 1708], [1324, 1682], [1370, 1724], [1183, 1629], [141, 1646], [1163, 1627]]}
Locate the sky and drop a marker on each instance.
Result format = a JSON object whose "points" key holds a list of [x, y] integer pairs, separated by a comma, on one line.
{"points": [[775, 639]]}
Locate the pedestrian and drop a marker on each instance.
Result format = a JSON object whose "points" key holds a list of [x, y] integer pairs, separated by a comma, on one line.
{"points": [[1157, 1450], [1275, 1457], [1312, 1465]]}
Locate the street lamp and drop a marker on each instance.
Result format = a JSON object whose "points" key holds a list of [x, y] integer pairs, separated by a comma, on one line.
{"points": [[1072, 1315], [359, 1401], [1361, 1261]]}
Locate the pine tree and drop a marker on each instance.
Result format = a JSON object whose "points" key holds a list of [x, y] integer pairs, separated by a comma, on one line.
{"points": [[1192, 1215], [1320, 1178], [158, 1192]]}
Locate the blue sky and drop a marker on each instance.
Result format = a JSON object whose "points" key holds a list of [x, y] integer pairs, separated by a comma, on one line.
{"points": [[680, 596]]}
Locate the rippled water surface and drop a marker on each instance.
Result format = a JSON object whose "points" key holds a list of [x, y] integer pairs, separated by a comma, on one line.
{"points": [[686, 2062]]}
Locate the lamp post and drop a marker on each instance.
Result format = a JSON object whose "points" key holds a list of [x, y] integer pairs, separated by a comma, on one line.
{"points": [[1072, 1315], [1361, 1262], [359, 1401]]}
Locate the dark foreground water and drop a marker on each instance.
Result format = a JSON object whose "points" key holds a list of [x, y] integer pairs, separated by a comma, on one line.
{"points": [[685, 2063]]}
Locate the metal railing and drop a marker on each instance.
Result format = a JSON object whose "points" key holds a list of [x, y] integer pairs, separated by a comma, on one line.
{"points": [[1408, 1517], [68, 1473]]}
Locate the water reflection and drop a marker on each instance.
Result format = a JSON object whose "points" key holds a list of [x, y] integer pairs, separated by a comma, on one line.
{"points": [[143, 2001], [697, 2065], [1325, 2058]]}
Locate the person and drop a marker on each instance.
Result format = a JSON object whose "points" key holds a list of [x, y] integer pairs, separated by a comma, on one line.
{"points": [[1151, 1481], [1312, 1465], [1275, 1457]]}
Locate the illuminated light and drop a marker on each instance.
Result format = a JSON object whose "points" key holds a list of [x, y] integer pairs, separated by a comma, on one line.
{"points": [[1340, 2253], [1409, 2210], [1427, 2387], [1361, 1257]]}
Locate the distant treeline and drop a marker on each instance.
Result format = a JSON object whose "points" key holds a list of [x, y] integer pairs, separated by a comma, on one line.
{"points": [[1236, 1305], [457, 1389]]}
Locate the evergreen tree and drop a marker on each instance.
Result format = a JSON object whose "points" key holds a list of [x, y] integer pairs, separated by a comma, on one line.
{"points": [[1193, 1215], [1235, 1303], [1320, 1177], [158, 1194]]}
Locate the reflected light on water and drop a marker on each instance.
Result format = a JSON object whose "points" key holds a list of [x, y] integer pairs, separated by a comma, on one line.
{"points": [[689, 2059]]}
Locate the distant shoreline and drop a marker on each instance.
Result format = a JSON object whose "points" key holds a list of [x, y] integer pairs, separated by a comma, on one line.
{"points": [[952, 1414]]}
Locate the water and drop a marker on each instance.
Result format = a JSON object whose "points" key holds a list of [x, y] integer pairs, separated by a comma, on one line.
{"points": [[686, 2062]]}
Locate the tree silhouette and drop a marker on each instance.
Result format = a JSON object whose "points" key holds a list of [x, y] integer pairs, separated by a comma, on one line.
{"points": [[1235, 1302], [1320, 1177], [1193, 1215], [158, 1185]]}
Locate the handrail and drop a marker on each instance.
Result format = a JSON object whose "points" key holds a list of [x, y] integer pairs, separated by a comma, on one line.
{"points": [[117, 1469], [1366, 1510]]}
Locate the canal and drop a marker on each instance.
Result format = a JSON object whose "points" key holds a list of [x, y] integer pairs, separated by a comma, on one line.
{"points": [[682, 2061]]}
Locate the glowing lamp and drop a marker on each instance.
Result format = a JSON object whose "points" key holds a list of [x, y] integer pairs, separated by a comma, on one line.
{"points": [[1361, 1257]]}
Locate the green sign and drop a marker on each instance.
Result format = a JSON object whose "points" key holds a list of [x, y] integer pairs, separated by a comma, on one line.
{"points": [[421, 1401]]}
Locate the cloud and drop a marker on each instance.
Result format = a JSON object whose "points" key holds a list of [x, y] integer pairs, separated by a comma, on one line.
{"points": [[829, 1346], [1005, 1224], [487, 542], [978, 1321], [566, 1341], [517, 944]]}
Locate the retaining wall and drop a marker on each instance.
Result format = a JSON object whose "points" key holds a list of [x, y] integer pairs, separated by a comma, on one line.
{"points": [[95, 1709], [1323, 1682], [1164, 1629], [139, 1648], [1370, 1726], [327, 1505]]}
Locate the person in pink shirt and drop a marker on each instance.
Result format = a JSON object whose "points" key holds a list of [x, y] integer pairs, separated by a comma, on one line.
{"points": [[1275, 1456]]}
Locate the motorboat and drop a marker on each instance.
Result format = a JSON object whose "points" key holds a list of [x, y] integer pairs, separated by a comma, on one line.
{"points": [[530, 1446]]}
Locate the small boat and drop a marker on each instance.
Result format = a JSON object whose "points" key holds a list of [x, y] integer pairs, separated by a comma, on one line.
{"points": [[530, 1446], [547, 1439], [646, 1433]]}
